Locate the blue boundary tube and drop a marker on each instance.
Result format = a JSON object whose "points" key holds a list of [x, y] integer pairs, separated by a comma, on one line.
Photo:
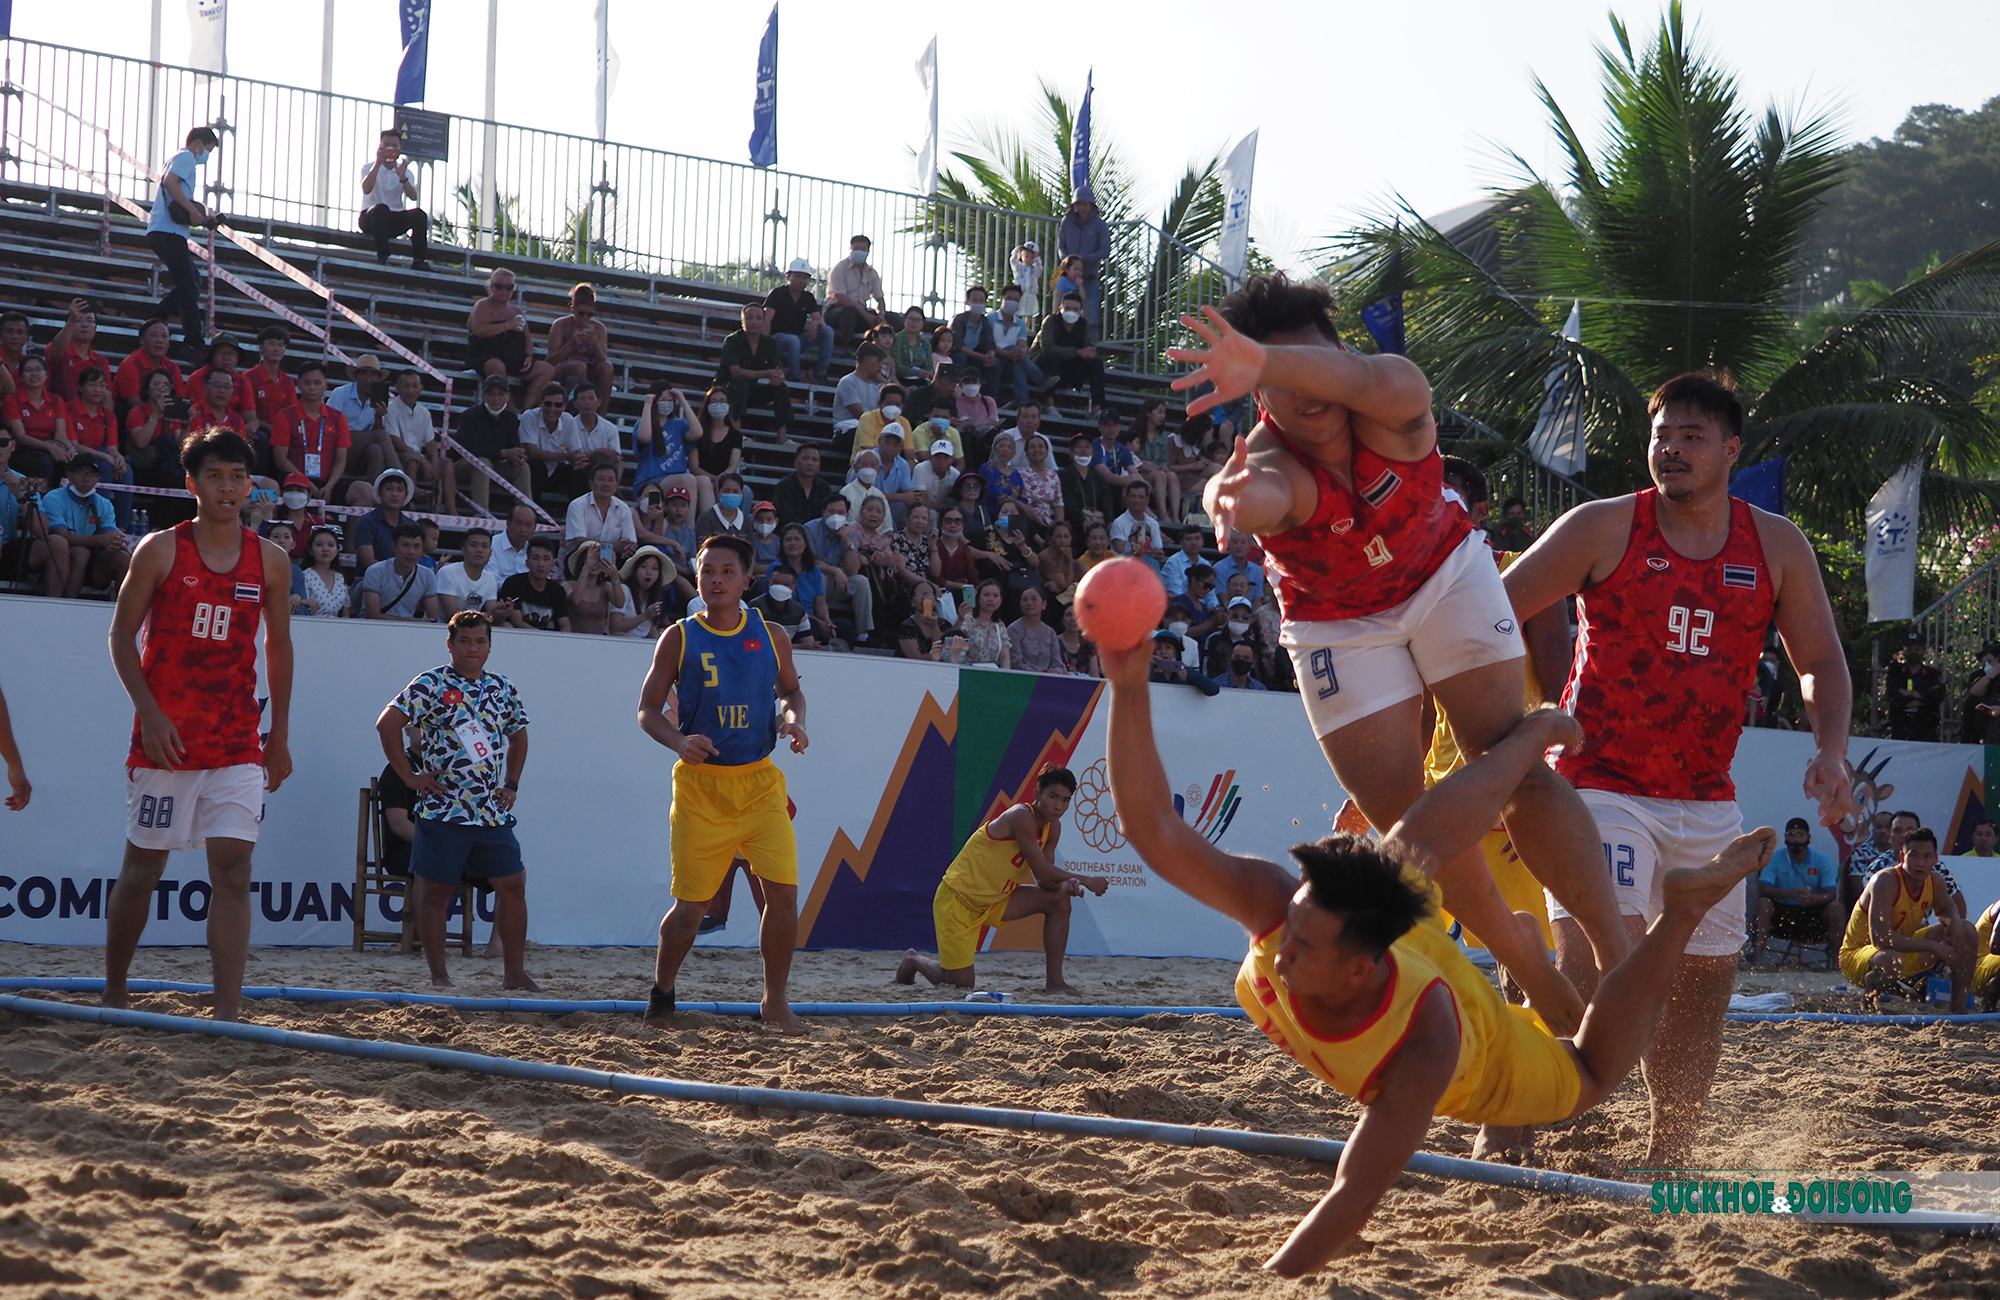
{"points": [[1323, 1150], [618, 1006]]}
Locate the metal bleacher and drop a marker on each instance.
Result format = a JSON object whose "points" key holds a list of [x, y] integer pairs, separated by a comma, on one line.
{"points": [[58, 244]]}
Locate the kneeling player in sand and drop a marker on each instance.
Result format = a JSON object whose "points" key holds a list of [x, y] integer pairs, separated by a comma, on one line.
{"points": [[1352, 976], [1003, 874]]}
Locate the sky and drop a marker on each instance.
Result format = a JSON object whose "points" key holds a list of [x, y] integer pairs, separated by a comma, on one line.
{"points": [[1357, 106]]}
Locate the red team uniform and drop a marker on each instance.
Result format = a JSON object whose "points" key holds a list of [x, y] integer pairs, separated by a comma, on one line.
{"points": [[200, 659], [1666, 651], [1385, 589]]}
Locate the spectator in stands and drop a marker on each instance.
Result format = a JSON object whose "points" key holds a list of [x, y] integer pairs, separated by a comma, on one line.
{"points": [[296, 506], [782, 604], [599, 434], [922, 635], [580, 346], [83, 544], [499, 340], [935, 402], [1242, 671], [888, 413], [1239, 630], [1189, 462], [802, 494], [1155, 448], [150, 355], [325, 586], [854, 300], [860, 390], [490, 432], [413, 441], [1082, 501], [969, 494], [810, 578], [388, 199], [719, 450], [552, 440], [271, 389], [973, 338], [14, 340], [1025, 263], [944, 351], [39, 421], [985, 634], [1096, 548], [913, 541], [602, 516], [534, 599], [596, 595], [1079, 656], [1057, 562], [664, 459], [1174, 569], [1915, 692], [1238, 561], [910, 354], [763, 536], [864, 474], [1985, 836], [1011, 343], [72, 350], [361, 399], [175, 209], [883, 336], [316, 443], [21, 524], [153, 430], [1113, 463], [649, 584], [469, 583], [1170, 667], [93, 423], [730, 514], [510, 549], [974, 414], [1032, 644], [223, 356], [1066, 351], [1136, 532], [1086, 236], [374, 534], [751, 371], [935, 478], [1798, 895], [1512, 532], [666, 522], [831, 537], [1979, 722], [796, 323], [400, 586], [211, 402], [954, 560], [1039, 482]]}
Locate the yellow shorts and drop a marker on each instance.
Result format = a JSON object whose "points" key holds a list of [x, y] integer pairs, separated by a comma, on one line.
{"points": [[723, 813], [1540, 1084], [1518, 889], [1854, 961], [959, 924], [1986, 974]]}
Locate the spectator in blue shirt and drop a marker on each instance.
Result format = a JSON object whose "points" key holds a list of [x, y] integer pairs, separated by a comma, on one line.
{"points": [[283, 534], [1174, 572], [1087, 235], [84, 541], [15, 491], [1111, 461], [1238, 561], [167, 236], [1797, 891], [1242, 674]]}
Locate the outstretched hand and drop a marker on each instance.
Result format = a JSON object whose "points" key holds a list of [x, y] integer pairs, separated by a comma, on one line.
{"points": [[1232, 362]]}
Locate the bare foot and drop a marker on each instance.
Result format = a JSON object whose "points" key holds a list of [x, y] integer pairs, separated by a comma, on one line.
{"points": [[1060, 986], [522, 982], [906, 969], [441, 982], [1694, 890], [1498, 1141], [118, 997], [780, 1014]]}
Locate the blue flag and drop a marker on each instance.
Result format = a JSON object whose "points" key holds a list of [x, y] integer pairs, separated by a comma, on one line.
{"points": [[6, 17], [1079, 160], [764, 117], [1384, 320], [1762, 485], [416, 19]]}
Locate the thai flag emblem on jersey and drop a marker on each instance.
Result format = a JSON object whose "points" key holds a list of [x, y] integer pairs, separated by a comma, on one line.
{"points": [[249, 591], [1378, 491], [1740, 575]]}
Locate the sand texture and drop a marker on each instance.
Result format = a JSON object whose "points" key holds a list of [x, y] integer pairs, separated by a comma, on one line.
{"points": [[134, 1163]]}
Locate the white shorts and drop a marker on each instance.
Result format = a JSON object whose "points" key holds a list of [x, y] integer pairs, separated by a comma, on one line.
{"points": [[183, 810], [1646, 838], [1460, 619]]}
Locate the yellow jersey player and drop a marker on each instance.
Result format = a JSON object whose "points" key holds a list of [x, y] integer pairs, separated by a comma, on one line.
{"points": [[1352, 976], [727, 665], [1004, 873], [1886, 937], [1986, 967]]}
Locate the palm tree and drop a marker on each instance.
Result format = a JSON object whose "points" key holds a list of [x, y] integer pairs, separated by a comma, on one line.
{"points": [[1684, 239]]}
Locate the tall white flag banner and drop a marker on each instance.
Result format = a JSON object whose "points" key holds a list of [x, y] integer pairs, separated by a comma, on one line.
{"points": [[1237, 170], [1892, 546], [208, 35], [1557, 442], [927, 157], [607, 68]]}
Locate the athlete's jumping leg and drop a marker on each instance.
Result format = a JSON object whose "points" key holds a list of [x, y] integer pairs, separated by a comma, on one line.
{"points": [[1632, 997], [125, 914], [1680, 1064], [678, 929], [228, 921], [777, 939], [1549, 825]]}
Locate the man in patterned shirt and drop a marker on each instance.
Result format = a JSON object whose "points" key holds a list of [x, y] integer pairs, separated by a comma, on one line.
{"points": [[470, 724]]}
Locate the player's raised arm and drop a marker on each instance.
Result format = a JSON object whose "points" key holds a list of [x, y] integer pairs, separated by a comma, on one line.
{"points": [[791, 694], [278, 663], [1252, 892], [1812, 641], [151, 563], [660, 679]]}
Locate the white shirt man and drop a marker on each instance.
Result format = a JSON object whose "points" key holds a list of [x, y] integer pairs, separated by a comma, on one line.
{"points": [[567, 436], [510, 549], [1150, 542], [584, 522], [410, 423], [935, 476], [469, 583], [594, 432], [858, 391]]}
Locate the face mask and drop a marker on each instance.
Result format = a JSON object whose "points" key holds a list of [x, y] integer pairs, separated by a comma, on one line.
{"points": [[940, 422], [835, 523], [1071, 317], [780, 592], [866, 475], [84, 496], [730, 500], [954, 530], [971, 390], [1082, 458], [1239, 667], [765, 530], [1238, 629], [975, 306], [1178, 629], [891, 411], [294, 500], [1008, 306], [718, 410], [859, 256]]}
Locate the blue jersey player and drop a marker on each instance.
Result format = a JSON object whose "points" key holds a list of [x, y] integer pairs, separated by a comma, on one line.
{"points": [[732, 670]]}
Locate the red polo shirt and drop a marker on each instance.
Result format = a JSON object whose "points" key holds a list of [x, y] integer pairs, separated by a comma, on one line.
{"points": [[63, 371], [269, 397], [200, 417], [99, 431], [243, 401], [314, 440], [38, 421], [132, 372]]}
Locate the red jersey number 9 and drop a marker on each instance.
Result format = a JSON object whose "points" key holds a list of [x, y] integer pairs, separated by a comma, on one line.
{"points": [[211, 622]]}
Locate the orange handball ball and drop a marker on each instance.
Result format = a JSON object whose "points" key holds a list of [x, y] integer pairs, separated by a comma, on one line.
{"points": [[1119, 603]]}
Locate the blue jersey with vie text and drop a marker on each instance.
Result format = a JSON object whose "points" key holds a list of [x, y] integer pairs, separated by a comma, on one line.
{"points": [[728, 688]]}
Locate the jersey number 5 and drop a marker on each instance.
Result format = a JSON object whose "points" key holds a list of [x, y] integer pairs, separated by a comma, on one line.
{"points": [[1689, 628], [708, 666], [211, 622]]}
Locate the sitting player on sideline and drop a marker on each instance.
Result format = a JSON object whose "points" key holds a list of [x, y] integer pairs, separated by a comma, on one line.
{"points": [[1351, 974], [1884, 939], [1986, 966], [1002, 874]]}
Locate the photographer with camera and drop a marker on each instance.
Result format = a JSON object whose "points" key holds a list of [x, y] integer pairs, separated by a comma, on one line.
{"points": [[389, 192], [175, 211]]}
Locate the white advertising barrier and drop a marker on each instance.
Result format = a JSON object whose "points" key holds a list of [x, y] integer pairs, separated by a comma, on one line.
{"points": [[906, 760]]}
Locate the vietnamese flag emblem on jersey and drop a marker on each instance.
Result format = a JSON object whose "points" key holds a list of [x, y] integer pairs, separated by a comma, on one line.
{"points": [[453, 696], [753, 645]]}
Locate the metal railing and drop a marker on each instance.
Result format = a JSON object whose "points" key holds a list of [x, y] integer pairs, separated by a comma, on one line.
{"points": [[1510, 470], [1955, 626], [297, 155]]}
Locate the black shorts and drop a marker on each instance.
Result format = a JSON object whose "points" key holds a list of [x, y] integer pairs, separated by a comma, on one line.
{"points": [[509, 347]]}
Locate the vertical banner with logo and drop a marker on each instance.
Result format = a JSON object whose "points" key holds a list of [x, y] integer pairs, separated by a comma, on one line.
{"points": [[1237, 171], [1557, 442], [415, 17], [1079, 155], [1892, 546], [208, 36], [764, 112], [927, 157]]}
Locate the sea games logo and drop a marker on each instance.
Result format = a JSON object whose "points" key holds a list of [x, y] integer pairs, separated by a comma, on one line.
{"points": [[1209, 809]]}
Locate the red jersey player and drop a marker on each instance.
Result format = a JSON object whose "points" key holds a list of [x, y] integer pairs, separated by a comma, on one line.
{"points": [[1676, 586], [1387, 590], [197, 770]]}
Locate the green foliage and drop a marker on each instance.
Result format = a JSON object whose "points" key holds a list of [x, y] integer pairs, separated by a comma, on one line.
{"points": [[574, 244]]}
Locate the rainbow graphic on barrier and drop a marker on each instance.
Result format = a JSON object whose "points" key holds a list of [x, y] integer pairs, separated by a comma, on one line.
{"points": [[1218, 808]]}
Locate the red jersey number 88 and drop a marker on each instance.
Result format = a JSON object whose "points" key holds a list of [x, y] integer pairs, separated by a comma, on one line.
{"points": [[211, 622]]}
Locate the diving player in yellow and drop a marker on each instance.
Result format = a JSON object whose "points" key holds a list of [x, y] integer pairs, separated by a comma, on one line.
{"points": [[1352, 976], [729, 798], [1002, 874], [1885, 935]]}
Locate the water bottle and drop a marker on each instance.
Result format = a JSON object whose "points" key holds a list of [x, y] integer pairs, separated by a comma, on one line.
{"points": [[1937, 988], [140, 523]]}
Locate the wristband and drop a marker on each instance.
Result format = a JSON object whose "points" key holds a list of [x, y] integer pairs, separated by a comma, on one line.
{"points": [[515, 786]]}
